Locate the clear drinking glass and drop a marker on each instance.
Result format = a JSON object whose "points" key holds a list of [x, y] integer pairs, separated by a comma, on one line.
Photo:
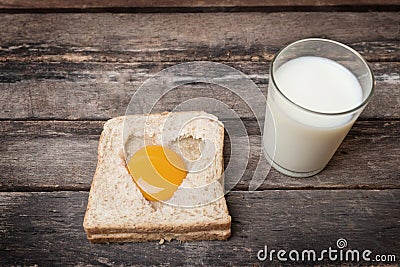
{"points": [[298, 140]]}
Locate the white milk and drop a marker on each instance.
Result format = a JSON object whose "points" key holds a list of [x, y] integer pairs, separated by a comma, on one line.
{"points": [[305, 141]]}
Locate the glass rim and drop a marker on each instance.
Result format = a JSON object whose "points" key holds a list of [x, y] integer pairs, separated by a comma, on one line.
{"points": [[363, 103]]}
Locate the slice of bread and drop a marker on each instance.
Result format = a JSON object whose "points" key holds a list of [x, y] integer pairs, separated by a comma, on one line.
{"points": [[117, 210]]}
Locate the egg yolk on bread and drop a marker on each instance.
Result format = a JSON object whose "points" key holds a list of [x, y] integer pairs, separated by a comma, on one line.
{"points": [[158, 171]]}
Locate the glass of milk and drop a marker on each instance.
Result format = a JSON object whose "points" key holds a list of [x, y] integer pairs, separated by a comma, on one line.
{"points": [[317, 89]]}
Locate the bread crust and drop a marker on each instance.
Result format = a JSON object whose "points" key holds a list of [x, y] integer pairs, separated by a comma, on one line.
{"points": [[175, 228], [140, 237]]}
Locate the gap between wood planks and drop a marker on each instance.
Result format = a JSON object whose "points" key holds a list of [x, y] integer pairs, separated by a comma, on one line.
{"points": [[50, 119], [308, 188], [183, 10], [19, 6], [214, 54]]}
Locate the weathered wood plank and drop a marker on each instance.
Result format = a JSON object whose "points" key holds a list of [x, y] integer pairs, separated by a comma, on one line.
{"points": [[46, 228], [190, 36], [27, 155], [360, 162], [85, 4], [62, 155], [101, 91]]}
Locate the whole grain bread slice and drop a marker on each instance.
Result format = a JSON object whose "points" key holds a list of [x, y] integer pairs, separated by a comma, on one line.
{"points": [[116, 208]]}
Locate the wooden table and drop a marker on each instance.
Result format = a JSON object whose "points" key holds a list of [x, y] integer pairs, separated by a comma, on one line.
{"points": [[67, 67]]}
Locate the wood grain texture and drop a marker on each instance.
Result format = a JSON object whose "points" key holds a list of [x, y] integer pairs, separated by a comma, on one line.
{"points": [[99, 91], [26, 4], [82, 69], [191, 36], [46, 228], [62, 155]]}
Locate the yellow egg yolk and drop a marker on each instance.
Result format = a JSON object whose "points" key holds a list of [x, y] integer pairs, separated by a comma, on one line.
{"points": [[158, 171]]}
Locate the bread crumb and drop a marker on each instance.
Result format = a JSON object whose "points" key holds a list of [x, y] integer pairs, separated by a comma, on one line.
{"points": [[161, 241]]}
